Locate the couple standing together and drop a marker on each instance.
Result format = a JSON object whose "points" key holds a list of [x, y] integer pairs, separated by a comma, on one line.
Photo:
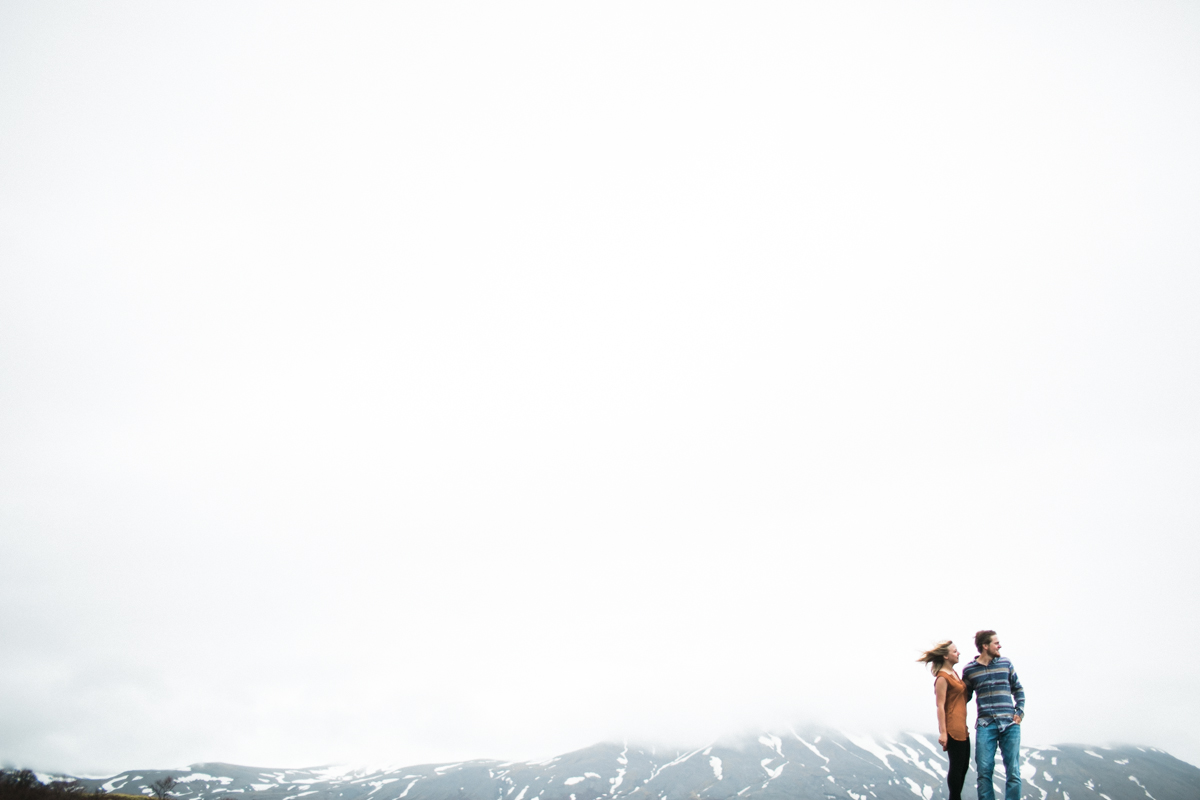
{"points": [[1000, 707]]}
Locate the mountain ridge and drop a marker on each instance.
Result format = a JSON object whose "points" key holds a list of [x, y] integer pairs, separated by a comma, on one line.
{"points": [[821, 764]]}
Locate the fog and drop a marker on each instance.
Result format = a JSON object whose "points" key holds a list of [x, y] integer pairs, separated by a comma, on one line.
{"points": [[420, 382]]}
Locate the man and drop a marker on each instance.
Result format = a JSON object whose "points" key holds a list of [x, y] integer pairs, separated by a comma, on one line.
{"points": [[1000, 707]]}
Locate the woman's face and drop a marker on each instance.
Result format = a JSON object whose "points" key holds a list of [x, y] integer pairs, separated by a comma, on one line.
{"points": [[952, 654]]}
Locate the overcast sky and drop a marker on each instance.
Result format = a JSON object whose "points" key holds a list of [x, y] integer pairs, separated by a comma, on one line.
{"points": [[426, 381]]}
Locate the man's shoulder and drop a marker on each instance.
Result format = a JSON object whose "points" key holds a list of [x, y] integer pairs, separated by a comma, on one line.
{"points": [[972, 666]]}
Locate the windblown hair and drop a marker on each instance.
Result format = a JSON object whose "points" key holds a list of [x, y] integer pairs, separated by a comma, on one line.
{"points": [[936, 658], [982, 638]]}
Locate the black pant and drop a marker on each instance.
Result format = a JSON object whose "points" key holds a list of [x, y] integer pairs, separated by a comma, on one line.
{"points": [[960, 757]]}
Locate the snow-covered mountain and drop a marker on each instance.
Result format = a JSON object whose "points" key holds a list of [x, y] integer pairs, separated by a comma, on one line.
{"points": [[812, 763]]}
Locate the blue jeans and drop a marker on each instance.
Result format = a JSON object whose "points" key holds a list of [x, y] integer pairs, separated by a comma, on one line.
{"points": [[986, 739]]}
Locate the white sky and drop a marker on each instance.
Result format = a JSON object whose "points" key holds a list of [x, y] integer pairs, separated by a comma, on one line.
{"points": [[438, 380]]}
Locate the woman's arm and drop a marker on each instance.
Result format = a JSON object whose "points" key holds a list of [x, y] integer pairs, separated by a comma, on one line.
{"points": [[939, 691]]}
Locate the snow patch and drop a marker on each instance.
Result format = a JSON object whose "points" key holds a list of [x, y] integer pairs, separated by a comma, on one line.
{"points": [[812, 747], [330, 773], [715, 763], [659, 770], [200, 776], [937, 751], [617, 781], [872, 747], [774, 742], [1143, 788], [377, 784], [918, 763]]}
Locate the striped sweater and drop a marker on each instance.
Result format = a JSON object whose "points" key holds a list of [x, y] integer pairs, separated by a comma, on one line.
{"points": [[998, 692]]}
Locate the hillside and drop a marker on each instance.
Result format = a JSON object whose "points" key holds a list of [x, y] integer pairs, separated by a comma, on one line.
{"points": [[814, 764]]}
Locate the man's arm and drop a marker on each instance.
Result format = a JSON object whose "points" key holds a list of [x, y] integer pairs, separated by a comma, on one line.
{"points": [[968, 689], [1018, 692]]}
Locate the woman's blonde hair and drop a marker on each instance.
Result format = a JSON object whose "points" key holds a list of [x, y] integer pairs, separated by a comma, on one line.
{"points": [[936, 658]]}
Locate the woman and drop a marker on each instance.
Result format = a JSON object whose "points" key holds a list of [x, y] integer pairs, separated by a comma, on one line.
{"points": [[951, 712]]}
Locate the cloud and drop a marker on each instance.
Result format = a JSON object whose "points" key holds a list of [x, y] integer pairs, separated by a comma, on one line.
{"points": [[416, 385]]}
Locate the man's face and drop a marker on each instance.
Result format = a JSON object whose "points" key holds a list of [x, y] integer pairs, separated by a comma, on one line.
{"points": [[992, 648]]}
